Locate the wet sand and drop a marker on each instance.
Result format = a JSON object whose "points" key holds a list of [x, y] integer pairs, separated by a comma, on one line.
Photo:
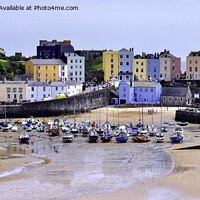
{"points": [[69, 166]]}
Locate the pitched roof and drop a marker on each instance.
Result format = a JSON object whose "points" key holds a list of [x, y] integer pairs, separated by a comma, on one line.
{"points": [[144, 84], [47, 62], [174, 91], [57, 84], [124, 50], [12, 82]]}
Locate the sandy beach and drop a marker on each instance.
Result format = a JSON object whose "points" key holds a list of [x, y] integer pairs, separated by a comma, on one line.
{"points": [[180, 182]]}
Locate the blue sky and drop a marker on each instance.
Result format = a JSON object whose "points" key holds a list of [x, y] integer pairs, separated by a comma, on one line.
{"points": [[147, 25]]}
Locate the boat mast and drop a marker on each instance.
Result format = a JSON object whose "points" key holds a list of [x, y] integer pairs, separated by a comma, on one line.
{"points": [[118, 113], [5, 115], [74, 112], [142, 111], [152, 113]]}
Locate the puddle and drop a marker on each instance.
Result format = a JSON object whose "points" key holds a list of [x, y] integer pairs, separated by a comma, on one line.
{"points": [[12, 151]]}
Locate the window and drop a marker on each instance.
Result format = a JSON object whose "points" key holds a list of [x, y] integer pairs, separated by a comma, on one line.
{"points": [[46, 67], [112, 66], [127, 56], [8, 96], [124, 89], [190, 69], [32, 89], [80, 79], [80, 67], [71, 73], [127, 78], [38, 67], [44, 95], [15, 96], [20, 89], [165, 61], [136, 69], [38, 75], [111, 72], [169, 98], [154, 70], [142, 70], [111, 60], [75, 73], [121, 56], [62, 88], [111, 55], [121, 63], [196, 69], [196, 61], [164, 98], [149, 63], [44, 89], [165, 75], [165, 68], [160, 75], [181, 98], [76, 67], [190, 62], [80, 61], [71, 67], [142, 63], [173, 68], [71, 61], [135, 89], [63, 67], [75, 61], [154, 63], [137, 63], [140, 89], [173, 62], [56, 88], [154, 75], [127, 63], [120, 78], [149, 70], [146, 90], [141, 76], [80, 73], [14, 89], [29, 67], [124, 94], [54, 67], [54, 75], [32, 95], [151, 89]]}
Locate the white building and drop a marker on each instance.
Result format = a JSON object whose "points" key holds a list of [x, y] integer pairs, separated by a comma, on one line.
{"points": [[38, 90], [73, 88], [58, 88], [75, 67]]}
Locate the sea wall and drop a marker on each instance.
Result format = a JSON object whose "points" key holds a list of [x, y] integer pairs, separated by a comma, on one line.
{"points": [[79, 103], [188, 116]]}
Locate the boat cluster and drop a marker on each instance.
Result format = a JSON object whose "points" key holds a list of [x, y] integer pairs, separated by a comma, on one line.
{"points": [[93, 131]]}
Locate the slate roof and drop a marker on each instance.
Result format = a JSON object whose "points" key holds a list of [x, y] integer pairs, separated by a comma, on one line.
{"points": [[72, 83], [57, 84], [174, 91], [144, 84], [12, 82], [124, 50], [47, 62], [38, 83], [115, 92]]}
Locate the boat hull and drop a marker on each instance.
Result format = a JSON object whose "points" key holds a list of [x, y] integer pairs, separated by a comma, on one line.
{"points": [[176, 139], [140, 139], [122, 139], [93, 138]]}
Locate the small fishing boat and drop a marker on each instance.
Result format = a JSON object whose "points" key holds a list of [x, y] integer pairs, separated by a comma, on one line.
{"points": [[14, 129], [24, 138], [123, 134], [160, 137], [68, 138], [134, 131], [141, 138], [143, 130], [41, 128], [164, 129], [74, 129], [65, 129], [182, 123], [100, 130], [85, 131], [153, 131], [178, 135], [93, 136], [54, 130], [106, 137]]}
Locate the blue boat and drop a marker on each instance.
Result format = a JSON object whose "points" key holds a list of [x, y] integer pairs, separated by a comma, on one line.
{"points": [[176, 139], [122, 138], [134, 131]]}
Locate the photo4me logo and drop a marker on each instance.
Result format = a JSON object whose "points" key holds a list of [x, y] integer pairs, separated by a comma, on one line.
{"points": [[38, 7]]}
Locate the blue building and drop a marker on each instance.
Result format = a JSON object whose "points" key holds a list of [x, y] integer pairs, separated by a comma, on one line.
{"points": [[140, 92], [126, 65], [53, 49], [153, 67]]}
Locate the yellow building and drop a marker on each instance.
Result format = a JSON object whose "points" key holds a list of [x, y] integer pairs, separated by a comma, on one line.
{"points": [[13, 91], [45, 69], [110, 65], [140, 69]]}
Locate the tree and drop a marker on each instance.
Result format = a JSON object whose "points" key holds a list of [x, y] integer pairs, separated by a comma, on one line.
{"points": [[3, 67]]}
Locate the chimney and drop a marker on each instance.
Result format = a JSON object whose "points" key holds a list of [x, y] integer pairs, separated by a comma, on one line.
{"points": [[131, 83], [158, 55], [165, 50], [132, 49], [143, 54]]}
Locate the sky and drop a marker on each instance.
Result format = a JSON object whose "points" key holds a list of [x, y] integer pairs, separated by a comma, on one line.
{"points": [[146, 25]]}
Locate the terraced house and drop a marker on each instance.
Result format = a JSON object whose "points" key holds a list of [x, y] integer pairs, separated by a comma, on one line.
{"points": [[45, 69]]}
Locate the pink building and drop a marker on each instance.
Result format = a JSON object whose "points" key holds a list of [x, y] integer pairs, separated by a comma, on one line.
{"points": [[175, 68]]}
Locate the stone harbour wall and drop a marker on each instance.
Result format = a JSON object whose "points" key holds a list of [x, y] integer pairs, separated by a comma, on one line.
{"points": [[79, 103]]}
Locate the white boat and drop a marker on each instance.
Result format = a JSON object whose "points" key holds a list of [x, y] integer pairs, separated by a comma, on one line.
{"points": [[24, 138], [14, 129], [68, 138], [178, 130], [160, 137], [143, 130]]}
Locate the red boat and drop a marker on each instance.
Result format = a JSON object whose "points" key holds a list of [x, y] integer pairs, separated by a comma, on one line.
{"points": [[54, 131], [141, 139], [106, 137]]}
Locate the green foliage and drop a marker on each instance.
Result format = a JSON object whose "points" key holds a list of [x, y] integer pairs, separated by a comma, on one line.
{"points": [[9, 77], [94, 65], [3, 67], [3, 57]]}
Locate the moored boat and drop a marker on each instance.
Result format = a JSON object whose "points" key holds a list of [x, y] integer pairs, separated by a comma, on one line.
{"points": [[24, 138], [178, 135], [68, 138], [141, 138], [93, 136], [160, 137], [106, 137]]}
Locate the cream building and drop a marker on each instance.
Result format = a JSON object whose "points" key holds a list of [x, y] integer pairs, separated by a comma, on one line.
{"points": [[165, 68]]}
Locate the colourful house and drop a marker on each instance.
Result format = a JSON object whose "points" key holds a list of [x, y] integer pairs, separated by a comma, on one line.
{"points": [[45, 69], [153, 67], [139, 68], [139, 92]]}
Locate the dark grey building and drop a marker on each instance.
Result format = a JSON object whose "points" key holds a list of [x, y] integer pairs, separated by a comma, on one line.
{"points": [[90, 54], [176, 96]]}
